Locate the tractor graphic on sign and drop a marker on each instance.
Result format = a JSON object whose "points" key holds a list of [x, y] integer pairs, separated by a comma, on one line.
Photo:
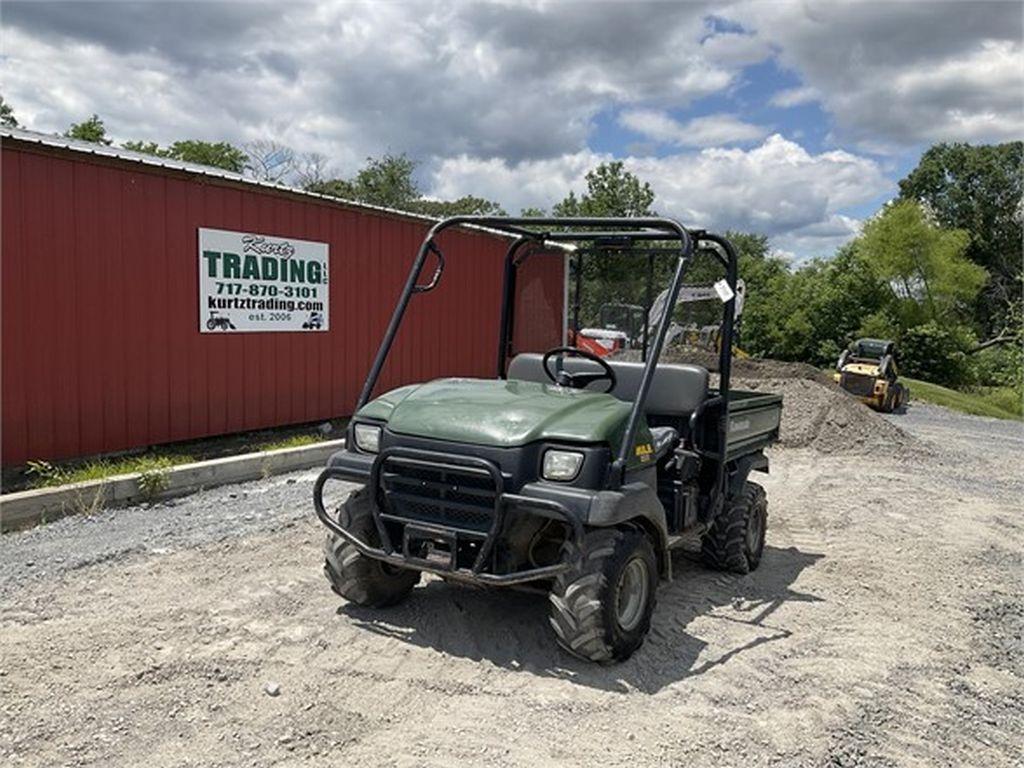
{"points": [[216, 322], [314, 323]]}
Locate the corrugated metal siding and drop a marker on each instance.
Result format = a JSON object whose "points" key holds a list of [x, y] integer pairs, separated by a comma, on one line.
{"points": [[101, 350]]}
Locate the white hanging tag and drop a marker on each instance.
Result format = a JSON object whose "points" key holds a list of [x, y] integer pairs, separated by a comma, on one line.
{"points": [[723, 290]]}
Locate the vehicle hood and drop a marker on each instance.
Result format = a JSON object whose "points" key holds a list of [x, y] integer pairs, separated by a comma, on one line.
{"points": [[500, 413]]}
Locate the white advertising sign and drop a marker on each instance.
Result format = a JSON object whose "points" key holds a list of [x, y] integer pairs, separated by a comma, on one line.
{"points": [[250, 282]]}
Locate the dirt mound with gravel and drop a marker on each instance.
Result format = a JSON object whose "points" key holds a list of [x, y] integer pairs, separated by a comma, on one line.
{"points": [[816, 413], [823, 417]]}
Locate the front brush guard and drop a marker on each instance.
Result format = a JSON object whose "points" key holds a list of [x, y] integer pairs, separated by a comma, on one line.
{"points": [[503, 502]]}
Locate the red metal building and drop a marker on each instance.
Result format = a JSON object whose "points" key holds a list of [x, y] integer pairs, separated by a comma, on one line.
{"points": [[101, 348]]}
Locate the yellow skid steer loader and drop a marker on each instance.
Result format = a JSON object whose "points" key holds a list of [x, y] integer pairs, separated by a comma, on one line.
{"points": [[867, 370]]}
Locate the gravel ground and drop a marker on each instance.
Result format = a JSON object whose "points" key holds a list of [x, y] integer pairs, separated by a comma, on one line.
{"points": [[884, 628]]}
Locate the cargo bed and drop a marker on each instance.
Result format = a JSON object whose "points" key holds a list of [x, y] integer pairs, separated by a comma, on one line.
{"points": [[754, 419]]}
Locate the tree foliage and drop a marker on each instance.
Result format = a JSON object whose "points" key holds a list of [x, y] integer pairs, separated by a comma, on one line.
{"points": [[7, 117], [810, 313], [468, 205], [219, 154], [611, 191], [936, 353], [924, 265], [612, 278], [978, 189], [389, 181], [91, 129]]}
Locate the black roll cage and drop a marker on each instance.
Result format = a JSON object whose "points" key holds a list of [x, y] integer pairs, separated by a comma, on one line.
{"points": [[605, 235]]}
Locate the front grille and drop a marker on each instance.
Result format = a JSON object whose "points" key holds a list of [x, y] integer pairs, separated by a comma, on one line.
{"points": [[460, 497], [858, 384]]}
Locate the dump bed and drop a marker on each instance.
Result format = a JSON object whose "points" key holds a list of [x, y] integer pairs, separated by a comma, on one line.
{"points": [[754, 419]]}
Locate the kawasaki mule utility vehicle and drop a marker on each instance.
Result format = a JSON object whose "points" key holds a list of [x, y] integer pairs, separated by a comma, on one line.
{"points": [[576, 473]]}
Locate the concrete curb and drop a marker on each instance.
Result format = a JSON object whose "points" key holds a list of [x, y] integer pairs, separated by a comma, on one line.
{"points": [[28, 508]]}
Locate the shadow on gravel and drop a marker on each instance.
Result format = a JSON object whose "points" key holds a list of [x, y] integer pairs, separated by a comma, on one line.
{"points": [[510, 628]]}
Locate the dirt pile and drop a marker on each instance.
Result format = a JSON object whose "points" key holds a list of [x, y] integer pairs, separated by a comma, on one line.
{"points": [[823, 417], [816, 413]]}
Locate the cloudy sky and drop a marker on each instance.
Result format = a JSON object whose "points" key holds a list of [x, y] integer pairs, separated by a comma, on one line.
{"points": [[794, 119]]}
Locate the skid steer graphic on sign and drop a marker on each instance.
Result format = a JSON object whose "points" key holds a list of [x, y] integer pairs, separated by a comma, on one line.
{"points": [[216, 322], [314, 323]]}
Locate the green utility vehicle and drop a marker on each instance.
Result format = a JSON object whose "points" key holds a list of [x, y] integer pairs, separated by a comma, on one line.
{"points": [[568, 471]]}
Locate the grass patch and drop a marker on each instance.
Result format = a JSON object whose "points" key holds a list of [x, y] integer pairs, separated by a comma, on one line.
{"points": [[154, 462], [289, 442], [45, 475], [995, 402]]}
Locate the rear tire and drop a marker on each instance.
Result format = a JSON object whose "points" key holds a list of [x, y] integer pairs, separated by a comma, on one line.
{"points": [[601, 607], [354, 576], [735, 540]]}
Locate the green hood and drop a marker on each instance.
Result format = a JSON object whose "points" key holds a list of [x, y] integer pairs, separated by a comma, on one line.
{"points": [[501, 413]]}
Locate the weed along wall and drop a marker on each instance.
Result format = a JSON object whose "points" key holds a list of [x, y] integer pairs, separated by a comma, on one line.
{"points": [[144, 304]]}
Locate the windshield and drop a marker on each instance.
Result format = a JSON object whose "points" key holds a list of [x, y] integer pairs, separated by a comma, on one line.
{"points": [[871, 349], [617, 301]]}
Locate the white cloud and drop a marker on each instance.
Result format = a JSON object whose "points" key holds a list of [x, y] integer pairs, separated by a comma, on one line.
{"points": [[819, 239], [530, 183], [777, 188], [501, 99], [707, 131], [901, 73], [735, 48], [792, 97], [513, 80]]}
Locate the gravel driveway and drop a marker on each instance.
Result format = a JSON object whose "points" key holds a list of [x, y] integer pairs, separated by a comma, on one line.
{"points": [[883, 628]]}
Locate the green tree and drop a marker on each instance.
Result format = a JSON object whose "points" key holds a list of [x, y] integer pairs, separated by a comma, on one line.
{"points": [[216, 155], [467, 205], [612, 278], [219, 154], [611, 191], [145, 147], [979, 189], [924, 265], [92, 130], [937, 353], [387, 181], [341, 188], [7, 117]]}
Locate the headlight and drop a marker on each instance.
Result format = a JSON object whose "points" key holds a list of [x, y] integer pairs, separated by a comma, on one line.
{"points": [[367, 437], [561, 465]]}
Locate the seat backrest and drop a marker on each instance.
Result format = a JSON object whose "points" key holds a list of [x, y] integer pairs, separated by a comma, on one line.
{"points": [[675, 391]]}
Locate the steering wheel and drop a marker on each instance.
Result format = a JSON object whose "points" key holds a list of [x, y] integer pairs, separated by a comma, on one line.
{"points": [[578, 380]]}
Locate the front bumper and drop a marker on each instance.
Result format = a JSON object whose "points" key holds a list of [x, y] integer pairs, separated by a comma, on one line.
{"points": [[367, 470]]}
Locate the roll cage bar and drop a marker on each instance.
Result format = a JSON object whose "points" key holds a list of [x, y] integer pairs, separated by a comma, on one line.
{"points": [[604, 235]]}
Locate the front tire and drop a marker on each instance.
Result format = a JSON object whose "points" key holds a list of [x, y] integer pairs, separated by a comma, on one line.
{"points": [[354, 576], [736, 538], [601, 607]]}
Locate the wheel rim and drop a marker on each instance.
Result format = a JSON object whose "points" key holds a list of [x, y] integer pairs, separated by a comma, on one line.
{"points": [[631, 600], [755, 529]]}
